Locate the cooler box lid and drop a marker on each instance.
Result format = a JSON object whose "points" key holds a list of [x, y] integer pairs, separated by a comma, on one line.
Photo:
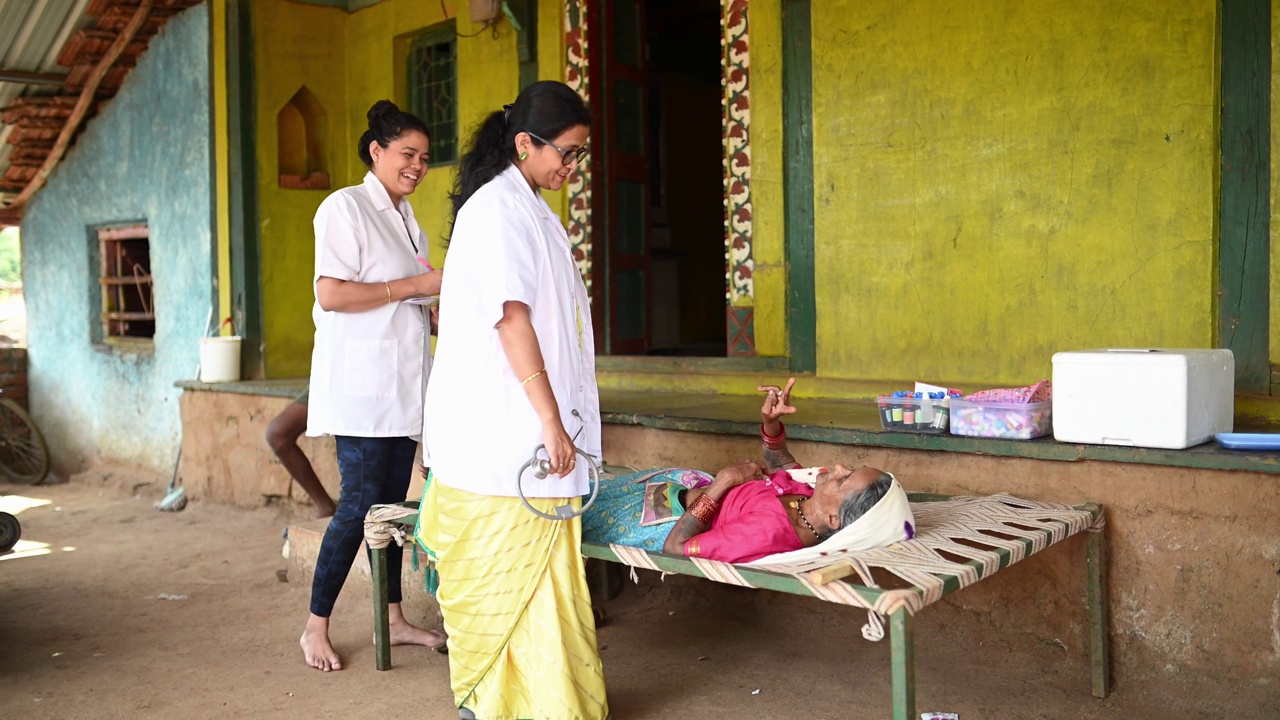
{"points": [[1141, 356]]}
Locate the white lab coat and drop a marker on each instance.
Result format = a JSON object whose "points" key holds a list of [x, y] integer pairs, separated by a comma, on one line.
{"points": [[480, 427], [368, 369]]}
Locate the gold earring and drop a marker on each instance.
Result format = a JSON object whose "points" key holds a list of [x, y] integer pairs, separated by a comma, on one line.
{"points": [[524, 155]]}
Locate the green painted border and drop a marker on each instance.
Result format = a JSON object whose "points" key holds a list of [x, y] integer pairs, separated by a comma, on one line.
{"points": [[846, 422], [215, 147], [1244, 245], [246, 276], [797, 140]]}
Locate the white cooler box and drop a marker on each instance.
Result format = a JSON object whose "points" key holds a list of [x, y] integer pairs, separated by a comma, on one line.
{"points": [[1143, 397]]}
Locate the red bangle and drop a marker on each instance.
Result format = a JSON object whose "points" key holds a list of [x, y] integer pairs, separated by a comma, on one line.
{"points": [[704, 508], [772, 441]]}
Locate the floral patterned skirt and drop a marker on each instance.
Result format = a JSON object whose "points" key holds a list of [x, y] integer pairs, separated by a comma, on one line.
{"points": [[620, 514]]}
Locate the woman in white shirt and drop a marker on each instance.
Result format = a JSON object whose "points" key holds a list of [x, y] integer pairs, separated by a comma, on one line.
{"points": [[515, 366], [370, 362]]}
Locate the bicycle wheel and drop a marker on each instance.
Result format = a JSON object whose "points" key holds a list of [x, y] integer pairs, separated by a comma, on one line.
{"points": [[24, 456], [10, 532]]}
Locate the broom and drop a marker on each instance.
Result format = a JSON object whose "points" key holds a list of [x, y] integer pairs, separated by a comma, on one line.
{"points": [[177, 497]]}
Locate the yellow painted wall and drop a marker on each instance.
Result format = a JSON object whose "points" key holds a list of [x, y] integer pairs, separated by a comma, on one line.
{"points": [[997, 181], [349, 61], [551, 29], [768, 226], [221, 153], [551, 66], [983, 197], [294, 45]]}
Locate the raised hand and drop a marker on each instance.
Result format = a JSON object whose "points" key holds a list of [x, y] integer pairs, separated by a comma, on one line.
{"points": [[777, 402]]}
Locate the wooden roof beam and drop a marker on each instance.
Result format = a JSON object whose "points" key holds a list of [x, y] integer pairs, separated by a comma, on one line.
{"points": [[83, 104], [26, 77]]}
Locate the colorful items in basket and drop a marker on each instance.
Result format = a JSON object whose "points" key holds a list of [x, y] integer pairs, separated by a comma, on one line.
{"points": [[1010, 413], [922, 412]]}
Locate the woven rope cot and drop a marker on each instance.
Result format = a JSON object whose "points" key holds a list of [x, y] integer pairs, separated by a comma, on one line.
{"points": [[959, 541], [1005, 529]]}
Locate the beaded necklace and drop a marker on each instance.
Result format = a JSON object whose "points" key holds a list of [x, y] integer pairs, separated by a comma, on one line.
{"points": [[796, 504]]}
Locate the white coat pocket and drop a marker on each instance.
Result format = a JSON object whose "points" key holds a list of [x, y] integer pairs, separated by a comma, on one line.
{"points": [[371, 368]]}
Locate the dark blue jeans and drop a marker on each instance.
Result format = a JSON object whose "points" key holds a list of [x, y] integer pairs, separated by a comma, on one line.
{"points": [[374, 471]]}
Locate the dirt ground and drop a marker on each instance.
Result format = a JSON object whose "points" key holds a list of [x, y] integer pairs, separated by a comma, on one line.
{"points": [[111, 609]]}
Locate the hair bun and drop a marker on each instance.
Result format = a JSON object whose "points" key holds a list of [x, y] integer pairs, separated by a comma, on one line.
{"points": [[381, 108]]}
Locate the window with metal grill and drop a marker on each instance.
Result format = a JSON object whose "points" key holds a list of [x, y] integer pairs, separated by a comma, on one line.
{"points": [[433, 89], [128, 298]]}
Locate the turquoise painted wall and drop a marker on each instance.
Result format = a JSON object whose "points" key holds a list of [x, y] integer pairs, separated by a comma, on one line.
{"points": [[145, 157]]}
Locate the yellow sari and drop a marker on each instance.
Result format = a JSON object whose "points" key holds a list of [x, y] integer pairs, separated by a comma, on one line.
{"points": [[513, 593]]}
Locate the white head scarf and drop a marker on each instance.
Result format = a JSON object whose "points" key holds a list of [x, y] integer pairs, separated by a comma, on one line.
{"points": [[889, 521]]}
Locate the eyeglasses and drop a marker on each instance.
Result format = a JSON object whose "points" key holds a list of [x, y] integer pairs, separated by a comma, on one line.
{"points": [[566, 156]]}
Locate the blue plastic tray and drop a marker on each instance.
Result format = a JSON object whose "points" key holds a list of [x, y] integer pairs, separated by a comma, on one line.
{"points": [[1249, 441]]}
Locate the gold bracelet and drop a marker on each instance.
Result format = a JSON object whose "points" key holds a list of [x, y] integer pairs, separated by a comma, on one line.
{"points": [[529, 379], [388, 292]]}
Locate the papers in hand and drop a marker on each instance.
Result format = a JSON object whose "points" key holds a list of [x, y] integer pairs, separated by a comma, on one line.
{"points": [[422, 300]]}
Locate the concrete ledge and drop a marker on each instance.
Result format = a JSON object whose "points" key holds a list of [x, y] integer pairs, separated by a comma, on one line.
{"points": [[856, 422], [289, 388], [838, 421]]}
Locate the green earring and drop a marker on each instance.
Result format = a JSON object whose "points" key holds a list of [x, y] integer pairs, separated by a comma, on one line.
{"points": [[524, 155]]}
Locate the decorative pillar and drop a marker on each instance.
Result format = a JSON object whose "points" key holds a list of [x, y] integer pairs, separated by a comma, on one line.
{"points": [[580, 182], [736, 103]]}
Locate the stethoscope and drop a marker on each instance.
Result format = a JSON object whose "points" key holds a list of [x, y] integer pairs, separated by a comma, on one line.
{"points": [[540, 468]]}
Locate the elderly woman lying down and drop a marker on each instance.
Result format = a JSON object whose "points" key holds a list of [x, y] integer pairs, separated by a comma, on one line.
{"points": [[747, 511]]}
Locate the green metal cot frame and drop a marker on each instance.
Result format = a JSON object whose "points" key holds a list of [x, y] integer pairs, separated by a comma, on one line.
{"points": [[901, 622]]}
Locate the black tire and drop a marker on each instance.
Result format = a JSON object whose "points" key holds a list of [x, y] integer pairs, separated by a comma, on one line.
{"points": [[24, 456], [10, 532]]}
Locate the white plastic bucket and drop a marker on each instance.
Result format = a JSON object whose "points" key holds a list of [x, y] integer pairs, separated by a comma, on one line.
{"points": [[220, 359]]}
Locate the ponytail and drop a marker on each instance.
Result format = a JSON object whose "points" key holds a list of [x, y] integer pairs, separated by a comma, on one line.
{"points": [[490, 152], [546, 108]]}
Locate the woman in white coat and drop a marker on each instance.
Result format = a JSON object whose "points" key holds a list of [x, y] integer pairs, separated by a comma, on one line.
{"points": [[515, 366], [370, 362]]}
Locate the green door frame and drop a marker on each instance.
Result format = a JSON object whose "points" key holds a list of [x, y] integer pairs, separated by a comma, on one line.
{"points": [[797, 141], [246, 277], [1244, 253]]}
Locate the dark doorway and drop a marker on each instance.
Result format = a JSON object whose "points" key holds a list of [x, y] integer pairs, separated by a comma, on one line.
{"points": [[661, 177]]}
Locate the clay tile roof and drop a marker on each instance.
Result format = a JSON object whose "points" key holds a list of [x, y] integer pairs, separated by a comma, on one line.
{"points": [[48, 50]]}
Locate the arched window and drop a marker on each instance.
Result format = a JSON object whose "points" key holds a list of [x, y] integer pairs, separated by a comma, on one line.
{"points": [[302, 143]]}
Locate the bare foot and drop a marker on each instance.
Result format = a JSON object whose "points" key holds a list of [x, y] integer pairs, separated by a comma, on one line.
{"points": [[316, 648], [402, 633]]}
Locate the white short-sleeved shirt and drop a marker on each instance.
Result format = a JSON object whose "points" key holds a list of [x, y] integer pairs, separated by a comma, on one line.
{"points": [[368, 369], [507, 244]]}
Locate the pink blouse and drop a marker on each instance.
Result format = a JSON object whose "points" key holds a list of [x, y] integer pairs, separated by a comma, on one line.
{"points": [[751, 523]]}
